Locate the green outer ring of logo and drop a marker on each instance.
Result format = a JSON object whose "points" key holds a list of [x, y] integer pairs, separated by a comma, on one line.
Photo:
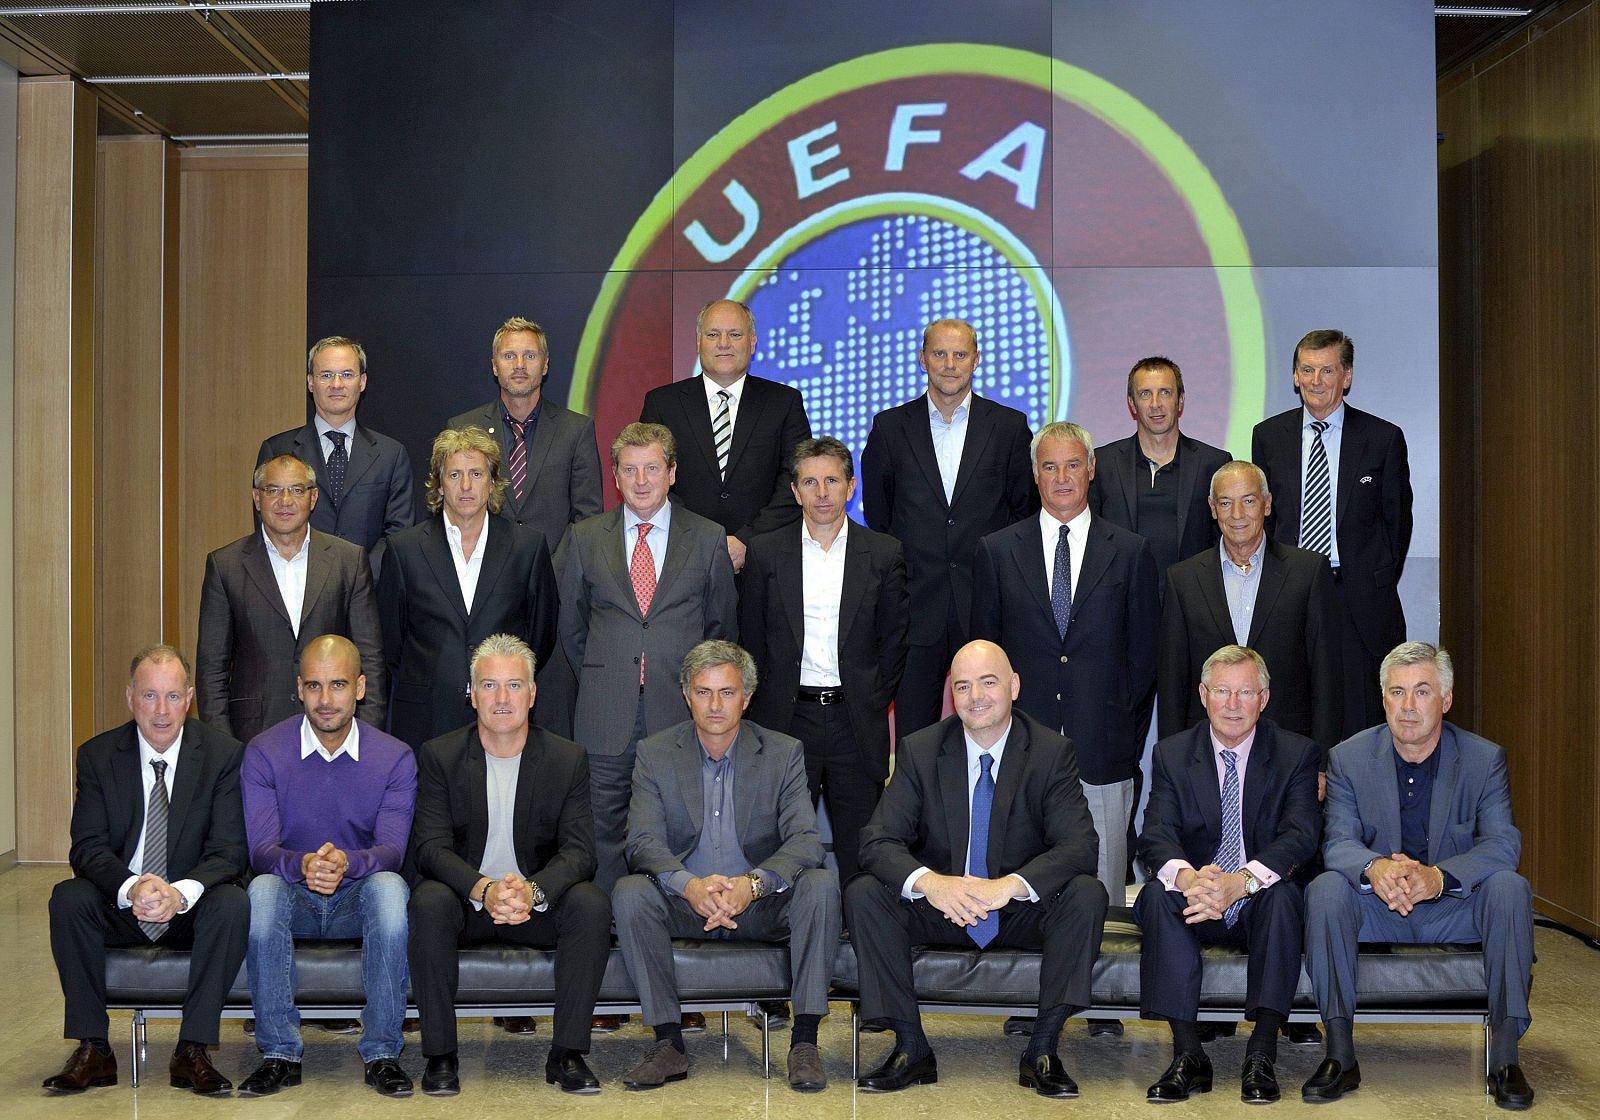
{"points": [[1219, 226], [957, 214]]}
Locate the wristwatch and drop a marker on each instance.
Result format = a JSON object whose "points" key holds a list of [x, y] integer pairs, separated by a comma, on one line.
{"points": [[755, 884], [536, 893], [1251, 883]]}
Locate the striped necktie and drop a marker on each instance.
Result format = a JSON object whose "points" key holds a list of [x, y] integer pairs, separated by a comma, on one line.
{"points": [[1230, 853], [722, 432], [1316, 519], [155, 839], [517, 468]]}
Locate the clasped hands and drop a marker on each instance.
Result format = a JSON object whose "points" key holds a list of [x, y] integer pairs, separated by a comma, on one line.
{"points": [[1209, 891], [1402, 882], [509, 900], [719, 899], [154, 899], [965, 899], [324, 869]]}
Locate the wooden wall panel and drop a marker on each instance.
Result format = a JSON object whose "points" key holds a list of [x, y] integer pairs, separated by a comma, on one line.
{"points": [[136, 301], [53, 452], [241, 367]]}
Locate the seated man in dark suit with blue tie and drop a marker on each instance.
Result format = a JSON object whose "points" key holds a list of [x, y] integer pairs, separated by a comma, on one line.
{"points": [[983, 838], [1232, 816], [1420, 846]]}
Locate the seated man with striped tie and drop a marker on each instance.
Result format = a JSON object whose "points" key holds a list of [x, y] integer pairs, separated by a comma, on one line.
{"points": [[1232, 816], [158, 846], [982, 838]]}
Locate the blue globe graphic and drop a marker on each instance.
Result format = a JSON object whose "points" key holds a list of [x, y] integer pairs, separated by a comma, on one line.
{"points": [[841, 320]]}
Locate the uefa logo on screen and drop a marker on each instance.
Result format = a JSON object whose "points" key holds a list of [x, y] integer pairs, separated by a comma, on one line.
{"points": [[1046, 206]]}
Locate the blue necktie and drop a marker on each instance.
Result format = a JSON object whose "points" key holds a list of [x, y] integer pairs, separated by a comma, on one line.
{"points": [[338, 465], [1061, 584], [978, 850], [1230, 853]]}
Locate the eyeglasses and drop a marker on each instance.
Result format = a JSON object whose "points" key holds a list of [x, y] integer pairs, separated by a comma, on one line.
{"points": [[329, 376], [296, 491], [1223, 695]]}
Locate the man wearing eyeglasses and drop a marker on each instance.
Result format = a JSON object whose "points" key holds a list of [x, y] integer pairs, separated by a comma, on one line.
{"points": [[270, 592], [1232, 816], [1272, 597], [364, 476]]}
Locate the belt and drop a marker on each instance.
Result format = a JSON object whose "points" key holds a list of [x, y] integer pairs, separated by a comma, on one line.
{"points": [[823, 696]]}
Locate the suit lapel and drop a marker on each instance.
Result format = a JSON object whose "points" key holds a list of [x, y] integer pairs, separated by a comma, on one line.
{"points": [[319, 566], [363, 454], [1272, 579], [677, 556], [752, 402], [1030, 560], [697, 419], [527, 779], [691, 792], [1351, 456], [617, 564], [436, 550], [1446, 788], [258, 569], [857, 561], [1097, 554], [496, 552], [1207, 790], [1257, 776], [750, 784], [951, 767], [792, 589], [185, 785], [538, 449], [475, 772], [1013, 767], [1387, 791], [920, 436], [980, 427], [1128, 479], [1211, 590], [1286, 501], [1188, 467], [125, 775]]}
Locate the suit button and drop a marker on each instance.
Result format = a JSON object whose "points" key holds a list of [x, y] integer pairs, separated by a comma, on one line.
{"points": [[1058, 696], [952, 521], [646, 626], [954, 565], [724, 494], [1063, 661]]}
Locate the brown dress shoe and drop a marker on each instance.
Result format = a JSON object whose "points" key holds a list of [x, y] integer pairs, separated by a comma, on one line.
{"points": [[606, 1024], [88, 1068], [663, 1062], [192, 1069], [692, 1022], [518, 1024]]}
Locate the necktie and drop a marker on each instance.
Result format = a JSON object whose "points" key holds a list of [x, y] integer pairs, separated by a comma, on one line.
{"points": [[338, 464], [1230, 853], [643, 570], [155, 839], [518, 467], [1316, 519], [722, 431], [978, 849], [1061, 584]]}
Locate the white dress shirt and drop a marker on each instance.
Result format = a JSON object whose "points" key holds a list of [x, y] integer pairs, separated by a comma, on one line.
{"points": [[1168, 875], [1331, 440], [655, 540], [1077, 545], [291, 576], [714, 403], [821, 587], [310, 744], [467, 569], [323, 428], [949, 440], [189, 888]]}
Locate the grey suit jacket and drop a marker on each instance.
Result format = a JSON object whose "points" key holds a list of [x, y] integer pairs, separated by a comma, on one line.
{"points": [[563, 466], [774, 818], [1470, 828], [247, 654], [604, 635], [378, 497]]}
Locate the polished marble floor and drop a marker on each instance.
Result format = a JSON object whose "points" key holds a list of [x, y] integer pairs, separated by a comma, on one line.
{"points": [[1418, 1072]]}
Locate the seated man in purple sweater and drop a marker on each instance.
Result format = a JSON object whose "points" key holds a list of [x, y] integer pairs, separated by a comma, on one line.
{"points": [[328, 801]]}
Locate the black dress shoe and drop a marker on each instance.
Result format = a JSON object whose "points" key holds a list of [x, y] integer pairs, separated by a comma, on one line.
{"points": [[572, 1074], [89, 1068], [1102, 1028], [1018, 1025], [191, 1068], [441, 1077], [1188, 1073], [900, 1072], [340, 1026], [1258, 1081], [1330, 1082], [1511, 1090], [1046, 1076], [270, 1076], [1302, 1034], [1210, 1030], [777, 1011], [386, 1076]]}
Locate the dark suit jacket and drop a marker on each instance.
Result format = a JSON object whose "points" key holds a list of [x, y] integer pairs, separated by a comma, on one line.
{"points": [[1372, 521], [248, 655], [1093, 682], [901, 495], [773, 815], [205, 822], [1295, 628], [1039, 825], [428, 634], [553, 833], [755, 498], [563, 466], [378, 496], [874, 617], [604, 635], [1280, 819], [1120, 472], [1471, 833]]}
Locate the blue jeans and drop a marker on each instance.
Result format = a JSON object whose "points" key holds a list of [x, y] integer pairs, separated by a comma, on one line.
{"points": [[372, 910]]}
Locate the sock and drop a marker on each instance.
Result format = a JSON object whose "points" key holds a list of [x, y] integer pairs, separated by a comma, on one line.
{"points": [[908, 1037], [671, 1032], [1341, 1042], [1046, 1032], [558, 1052], [1186, 1038], [804, 1029], [1264, 1039], [1503, 1043]]}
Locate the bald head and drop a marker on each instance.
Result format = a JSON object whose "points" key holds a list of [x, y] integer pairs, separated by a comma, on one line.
{"points": [[983, 686], [330, 684], [332, 647]]}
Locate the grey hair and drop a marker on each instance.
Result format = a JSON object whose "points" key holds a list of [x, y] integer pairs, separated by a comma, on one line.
{"points": [[1239, 466], [711, 653], [1061, 429], [505, 645], [1238, 655], [260, 474], [1419, 653]]}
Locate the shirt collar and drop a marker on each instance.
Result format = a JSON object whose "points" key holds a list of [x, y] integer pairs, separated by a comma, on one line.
{"points": [[533, 413], [736, 390], [1241, 752], [310, 744], [300, 554], [148, 754], [348, 428], [974, 751], [1079, 525], [452, 533], [808, 541], [957, 413], [659, 524], [1255, 557], [1335, 419]]}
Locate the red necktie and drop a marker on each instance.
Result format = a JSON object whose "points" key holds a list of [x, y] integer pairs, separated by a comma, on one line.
{"points": [[643, 570]]}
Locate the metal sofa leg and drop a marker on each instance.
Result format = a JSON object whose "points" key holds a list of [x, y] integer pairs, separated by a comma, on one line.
{"points": [[766, 1042], [724, 1036], [855, 1040], [1488, 1044], [133, 1030]]}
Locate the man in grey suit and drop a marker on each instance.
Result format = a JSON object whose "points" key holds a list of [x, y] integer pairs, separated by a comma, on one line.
{"points": [[1420, 847], [640, 585], [268, 594], [724, 841], [364, 476]]}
